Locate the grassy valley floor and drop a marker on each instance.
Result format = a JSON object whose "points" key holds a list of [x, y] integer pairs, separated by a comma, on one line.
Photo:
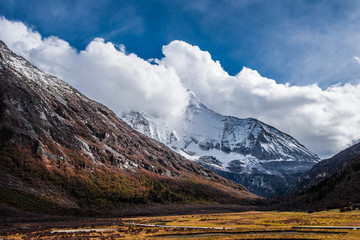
{"points": [[241, 225]]}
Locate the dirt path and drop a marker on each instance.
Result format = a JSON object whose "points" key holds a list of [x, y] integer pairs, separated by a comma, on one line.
{"points": [[83, 230], [171, 226], [328, 227]]}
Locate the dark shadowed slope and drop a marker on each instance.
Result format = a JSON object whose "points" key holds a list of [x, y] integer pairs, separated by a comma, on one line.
{"points": [[331, 183], [328, 167], [58, 148]]}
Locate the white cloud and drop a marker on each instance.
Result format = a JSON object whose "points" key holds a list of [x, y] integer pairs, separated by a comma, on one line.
{"points": [[127, 82], [357, 59], [121, 81], [21, 39], [326, 121]]}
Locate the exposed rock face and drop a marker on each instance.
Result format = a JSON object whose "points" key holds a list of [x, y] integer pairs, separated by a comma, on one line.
{"points": [[248, 151], [54, 140]]}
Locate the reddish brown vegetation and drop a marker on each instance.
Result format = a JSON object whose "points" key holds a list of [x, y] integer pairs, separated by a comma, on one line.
{"points": [[60, 148]]}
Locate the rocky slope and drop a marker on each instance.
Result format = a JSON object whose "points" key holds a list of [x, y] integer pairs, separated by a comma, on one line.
{"points": [[331, 183], [328, 167], [58, 147], [247, 151]]}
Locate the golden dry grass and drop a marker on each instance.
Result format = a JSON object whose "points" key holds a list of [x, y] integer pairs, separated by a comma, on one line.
{"points": [[245, 225]]}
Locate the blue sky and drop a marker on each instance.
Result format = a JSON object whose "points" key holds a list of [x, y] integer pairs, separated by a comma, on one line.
{"points": [[294, 64], [294, 41]]}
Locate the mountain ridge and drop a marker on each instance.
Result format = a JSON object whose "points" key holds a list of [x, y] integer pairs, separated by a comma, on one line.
{"points": [[331, 183], [59, 146], [328, 167]]}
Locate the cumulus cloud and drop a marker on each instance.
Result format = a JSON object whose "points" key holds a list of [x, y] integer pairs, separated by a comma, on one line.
{"points": [[123, 82], [324, 120]]}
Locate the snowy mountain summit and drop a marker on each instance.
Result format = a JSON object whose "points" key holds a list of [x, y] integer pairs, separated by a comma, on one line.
{"points": [[247, 151]]}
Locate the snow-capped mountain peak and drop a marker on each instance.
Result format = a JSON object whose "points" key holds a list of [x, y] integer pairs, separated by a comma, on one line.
{"points": [[242, 146]]}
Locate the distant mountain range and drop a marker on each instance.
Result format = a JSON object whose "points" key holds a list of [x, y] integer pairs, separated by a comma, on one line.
{"points": [[247, 151], [61, 150]]}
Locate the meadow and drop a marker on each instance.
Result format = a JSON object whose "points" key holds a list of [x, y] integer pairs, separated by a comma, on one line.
{"points": [[242, 225]]}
